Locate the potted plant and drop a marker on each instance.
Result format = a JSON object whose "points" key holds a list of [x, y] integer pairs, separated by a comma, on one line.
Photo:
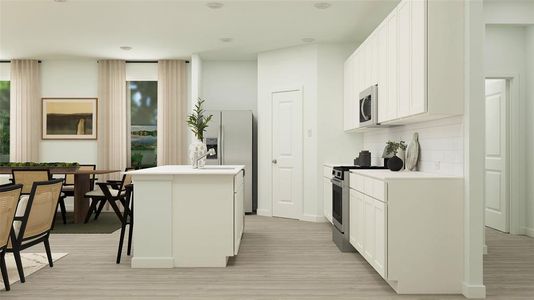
{"points": [[198, 123], [394, 163]]}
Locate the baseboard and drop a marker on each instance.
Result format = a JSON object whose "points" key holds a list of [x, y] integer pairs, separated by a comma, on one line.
{"points": [[264, 212], [473, 291], [529, 232], [485, 249], [152, 262], [313, 218]]}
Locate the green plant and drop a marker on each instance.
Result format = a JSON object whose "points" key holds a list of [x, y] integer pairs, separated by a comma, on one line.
{"points": [[197, 121], [43, 165], [137, 159], [393, 147]]}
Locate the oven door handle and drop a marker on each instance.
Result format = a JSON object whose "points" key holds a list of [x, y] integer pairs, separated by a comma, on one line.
{"points": [[337, 182]]}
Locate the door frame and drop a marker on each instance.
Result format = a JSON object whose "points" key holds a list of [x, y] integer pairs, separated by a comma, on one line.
{"points": [[515, 152], [301, 171]]}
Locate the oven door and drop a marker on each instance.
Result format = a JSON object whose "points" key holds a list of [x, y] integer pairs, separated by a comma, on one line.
{"points": [[337, 203]]}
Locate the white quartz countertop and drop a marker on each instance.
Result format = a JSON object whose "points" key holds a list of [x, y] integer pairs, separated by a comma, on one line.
{"points": [[188, 170], [387, 174], [331, 165]]}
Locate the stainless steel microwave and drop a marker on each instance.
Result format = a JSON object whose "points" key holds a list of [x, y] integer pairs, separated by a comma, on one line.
{"points": [[368, 106]]}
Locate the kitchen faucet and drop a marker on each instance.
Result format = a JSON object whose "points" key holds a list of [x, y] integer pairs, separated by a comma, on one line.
{"points": [[211, 151]]}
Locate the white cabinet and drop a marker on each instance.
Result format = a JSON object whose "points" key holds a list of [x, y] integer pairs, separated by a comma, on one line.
{"points": [[327, 193], [404, 223], [327, 198], [239, 210], [416, 57], [349, 95]]}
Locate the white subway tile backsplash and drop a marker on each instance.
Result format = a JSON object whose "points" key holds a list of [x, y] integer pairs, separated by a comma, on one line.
{"points": [[441, 144]]}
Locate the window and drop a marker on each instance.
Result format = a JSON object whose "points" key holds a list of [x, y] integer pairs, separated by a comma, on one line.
{"points": [[4, 121], [144, 109]]}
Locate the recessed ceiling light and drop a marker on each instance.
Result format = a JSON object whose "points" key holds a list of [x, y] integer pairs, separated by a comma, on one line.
{"points": [[308, 40], [226, 40], [126, 48], [322, 5], [60, 1], [215, 5]]}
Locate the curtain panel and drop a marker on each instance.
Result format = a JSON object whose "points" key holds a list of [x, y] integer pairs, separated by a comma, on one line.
{"points": [[112, 116], [25, 111], [172, 106]]}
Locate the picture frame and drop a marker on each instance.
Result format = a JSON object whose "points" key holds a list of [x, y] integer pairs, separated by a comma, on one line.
{"points": [[69, 118]]}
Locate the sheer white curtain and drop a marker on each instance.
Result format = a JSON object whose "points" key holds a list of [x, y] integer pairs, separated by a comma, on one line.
{"points": [[172, 106], [112, 116], [25, 108]]}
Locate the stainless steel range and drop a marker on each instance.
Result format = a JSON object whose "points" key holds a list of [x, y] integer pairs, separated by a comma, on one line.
{"points": [[341, 205]]}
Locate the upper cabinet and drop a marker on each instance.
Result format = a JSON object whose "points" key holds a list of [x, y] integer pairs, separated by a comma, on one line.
{"points": [[415, 56]]}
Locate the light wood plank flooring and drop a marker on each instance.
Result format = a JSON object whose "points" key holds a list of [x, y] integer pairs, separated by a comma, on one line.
{"points": [[279, 259]]}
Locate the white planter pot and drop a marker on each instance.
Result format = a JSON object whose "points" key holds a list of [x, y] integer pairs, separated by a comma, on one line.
{"points": [[197, 149]]}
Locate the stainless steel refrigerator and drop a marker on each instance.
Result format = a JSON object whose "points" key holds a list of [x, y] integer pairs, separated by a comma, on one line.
{"points": [[230, 134]]}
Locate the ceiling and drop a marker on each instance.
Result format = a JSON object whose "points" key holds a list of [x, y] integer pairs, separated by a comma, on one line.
{"points": [[46, 29]]}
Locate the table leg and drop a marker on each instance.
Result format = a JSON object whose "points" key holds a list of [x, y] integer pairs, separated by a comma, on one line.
{"points": [[82, 185]]}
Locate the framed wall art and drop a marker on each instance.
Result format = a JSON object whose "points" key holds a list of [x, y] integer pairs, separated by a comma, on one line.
{"points": [[70, 118]]}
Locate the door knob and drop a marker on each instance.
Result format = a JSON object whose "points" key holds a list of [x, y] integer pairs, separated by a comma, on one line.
{"points": [[275, 161]]}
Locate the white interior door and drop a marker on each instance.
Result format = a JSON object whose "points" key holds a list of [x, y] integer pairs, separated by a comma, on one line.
{"points": [[287, 154], [496, 178]]}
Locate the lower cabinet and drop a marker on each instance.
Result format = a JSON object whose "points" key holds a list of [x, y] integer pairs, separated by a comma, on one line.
{"points": [[368, 229], [239, 210], [327, 198]]}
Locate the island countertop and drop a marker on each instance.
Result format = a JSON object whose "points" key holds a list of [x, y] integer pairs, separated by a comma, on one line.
{"points": [[189, 170]]}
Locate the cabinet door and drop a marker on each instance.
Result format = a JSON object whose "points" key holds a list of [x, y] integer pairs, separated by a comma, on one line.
{"points": [[360, 222], [239, 210], [358, 85], [380, 233], [392, 67], [418, 57], [405, 54], [372, 59], [369, 229], [353, 217], [382, 72], [348, 94], [327, 199]]}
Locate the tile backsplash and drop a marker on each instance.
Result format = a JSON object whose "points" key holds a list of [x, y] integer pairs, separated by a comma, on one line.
{"points": [[441, 144]]}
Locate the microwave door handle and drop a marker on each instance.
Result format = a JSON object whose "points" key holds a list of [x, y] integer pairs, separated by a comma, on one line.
{"points": [[362, 109]]}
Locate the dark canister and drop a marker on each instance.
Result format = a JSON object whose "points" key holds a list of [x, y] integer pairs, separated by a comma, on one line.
{"points": [[364, 160]]}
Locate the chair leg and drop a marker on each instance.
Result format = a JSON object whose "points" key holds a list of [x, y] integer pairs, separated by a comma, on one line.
{"points": [[91, 209], [3, 269], [63, 210], [99, 210], [117, 210], [18, 261], [121, 241], [130, 233], [48, 252]]}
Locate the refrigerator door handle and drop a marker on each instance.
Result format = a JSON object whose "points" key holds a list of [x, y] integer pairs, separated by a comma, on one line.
{"points": [[221, 148]]}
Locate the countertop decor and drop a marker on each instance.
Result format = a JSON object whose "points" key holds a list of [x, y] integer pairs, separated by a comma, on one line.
{"points": [[198, 124]]}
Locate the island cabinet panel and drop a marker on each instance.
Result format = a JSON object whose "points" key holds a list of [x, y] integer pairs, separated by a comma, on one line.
{"points": [[187, 217], [405, 235]]}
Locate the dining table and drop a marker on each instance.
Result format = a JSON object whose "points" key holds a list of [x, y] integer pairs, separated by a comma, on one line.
{"points": [[82, 185]]}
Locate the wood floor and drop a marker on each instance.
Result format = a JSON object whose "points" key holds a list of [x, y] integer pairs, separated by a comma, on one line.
{"points": [[279, 259]]}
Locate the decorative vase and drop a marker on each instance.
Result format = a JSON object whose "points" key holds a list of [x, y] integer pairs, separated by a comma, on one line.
{"points": [[395, 163], [412, 155], [197, 149], [402, 155]]}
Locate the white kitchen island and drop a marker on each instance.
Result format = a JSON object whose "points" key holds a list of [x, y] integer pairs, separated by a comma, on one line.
{"points": [[185, 217]]}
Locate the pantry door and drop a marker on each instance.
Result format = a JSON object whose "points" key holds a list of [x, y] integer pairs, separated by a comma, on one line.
{"points": [[287, 154]]}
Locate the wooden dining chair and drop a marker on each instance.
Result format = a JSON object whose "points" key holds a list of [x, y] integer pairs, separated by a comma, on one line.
{"points": [[9, 198], [68, 185], [108, 192], [27, 177], [33, 220], [127, 220]]}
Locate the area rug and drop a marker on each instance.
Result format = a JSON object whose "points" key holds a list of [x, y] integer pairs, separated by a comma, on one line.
{"points": [[107, 222], [32, 262]]}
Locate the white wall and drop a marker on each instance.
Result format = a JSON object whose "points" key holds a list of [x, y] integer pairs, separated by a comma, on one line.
{"points": [[307, 68], [69, 78], [5, 71], [441, 143]]}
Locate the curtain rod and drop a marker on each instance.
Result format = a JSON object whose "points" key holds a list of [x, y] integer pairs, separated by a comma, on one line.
{"points": [[145, 61], [8, 61]]}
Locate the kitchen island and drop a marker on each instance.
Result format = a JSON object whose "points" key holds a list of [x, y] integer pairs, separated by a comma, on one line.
{"points": [[187, 217]]}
